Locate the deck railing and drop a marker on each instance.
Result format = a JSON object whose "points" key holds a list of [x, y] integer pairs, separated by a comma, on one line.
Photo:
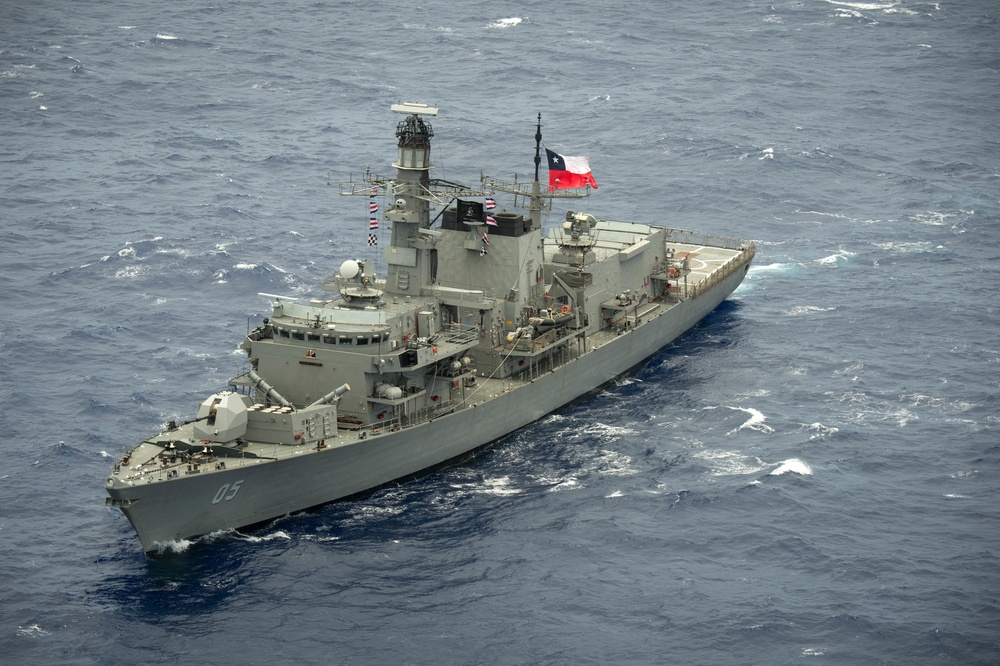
{"points": [[724, 271]]}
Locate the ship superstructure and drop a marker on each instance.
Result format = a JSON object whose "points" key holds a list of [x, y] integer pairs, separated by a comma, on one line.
{"points": [[481, 324]]}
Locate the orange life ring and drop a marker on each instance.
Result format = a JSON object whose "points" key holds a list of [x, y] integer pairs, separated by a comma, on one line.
{"points": [[673, 272], [564, 309]]}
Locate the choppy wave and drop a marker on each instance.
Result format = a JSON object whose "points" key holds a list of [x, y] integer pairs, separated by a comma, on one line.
{"points": [[792, 466], [755, 422]]}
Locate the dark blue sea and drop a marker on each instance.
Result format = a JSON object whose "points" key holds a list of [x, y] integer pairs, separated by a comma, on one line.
{"points": [[810, 476]]}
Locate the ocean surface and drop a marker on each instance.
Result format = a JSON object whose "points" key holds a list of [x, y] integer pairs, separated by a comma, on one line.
{"points": [[810, 476]]}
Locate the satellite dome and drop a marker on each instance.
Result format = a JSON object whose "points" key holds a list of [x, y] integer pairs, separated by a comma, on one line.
{"points": [[349, 269]]}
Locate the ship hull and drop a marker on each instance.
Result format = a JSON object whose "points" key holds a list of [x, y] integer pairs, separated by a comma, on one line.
{"points": [[256, 491]]}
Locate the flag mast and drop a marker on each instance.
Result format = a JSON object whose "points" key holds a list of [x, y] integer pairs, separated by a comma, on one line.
{"points": [[536, 189], [532, 198]]}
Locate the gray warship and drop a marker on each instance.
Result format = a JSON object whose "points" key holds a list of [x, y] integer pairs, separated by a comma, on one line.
{"points": [[481, 324]]}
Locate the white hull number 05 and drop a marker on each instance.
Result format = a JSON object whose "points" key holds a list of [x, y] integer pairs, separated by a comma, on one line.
{"points": [[227, 492]]}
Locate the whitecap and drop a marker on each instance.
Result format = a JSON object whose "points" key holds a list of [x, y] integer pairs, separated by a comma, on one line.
{"points": [[565, 484], [731, 463], [869, 6], [166, 37], [964, 475], [756, 393], [933, 218], [922, 246], [834, 258], [793, 465], [755, 422], [32, 630], [177, 251], [819, 430], [766, 154], [838, 216], [129, 272], [614, 495], [505, 23], [805, 309]]}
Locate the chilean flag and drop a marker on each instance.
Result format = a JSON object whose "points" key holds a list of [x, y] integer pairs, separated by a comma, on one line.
{"points": [[566, 172]]}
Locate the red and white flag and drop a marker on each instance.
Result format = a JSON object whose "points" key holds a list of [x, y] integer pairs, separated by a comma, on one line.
{"points": [[566, 172]]}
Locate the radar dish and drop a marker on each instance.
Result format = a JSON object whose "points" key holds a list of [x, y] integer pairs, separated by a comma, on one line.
{"points": [[349, 269]]}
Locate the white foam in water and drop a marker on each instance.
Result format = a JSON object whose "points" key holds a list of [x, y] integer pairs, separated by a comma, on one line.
{"points": [[32, 630], [280, 534], [498, 486], [805, 309], [755, 422], [905, 248], [834, 258], [129, 272], [870, 6], [505, 23], [819, 430], [613, 463], [177, 546], [608, 432], [565, 484], [794, 466], [771, 267], [731, 463]]}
